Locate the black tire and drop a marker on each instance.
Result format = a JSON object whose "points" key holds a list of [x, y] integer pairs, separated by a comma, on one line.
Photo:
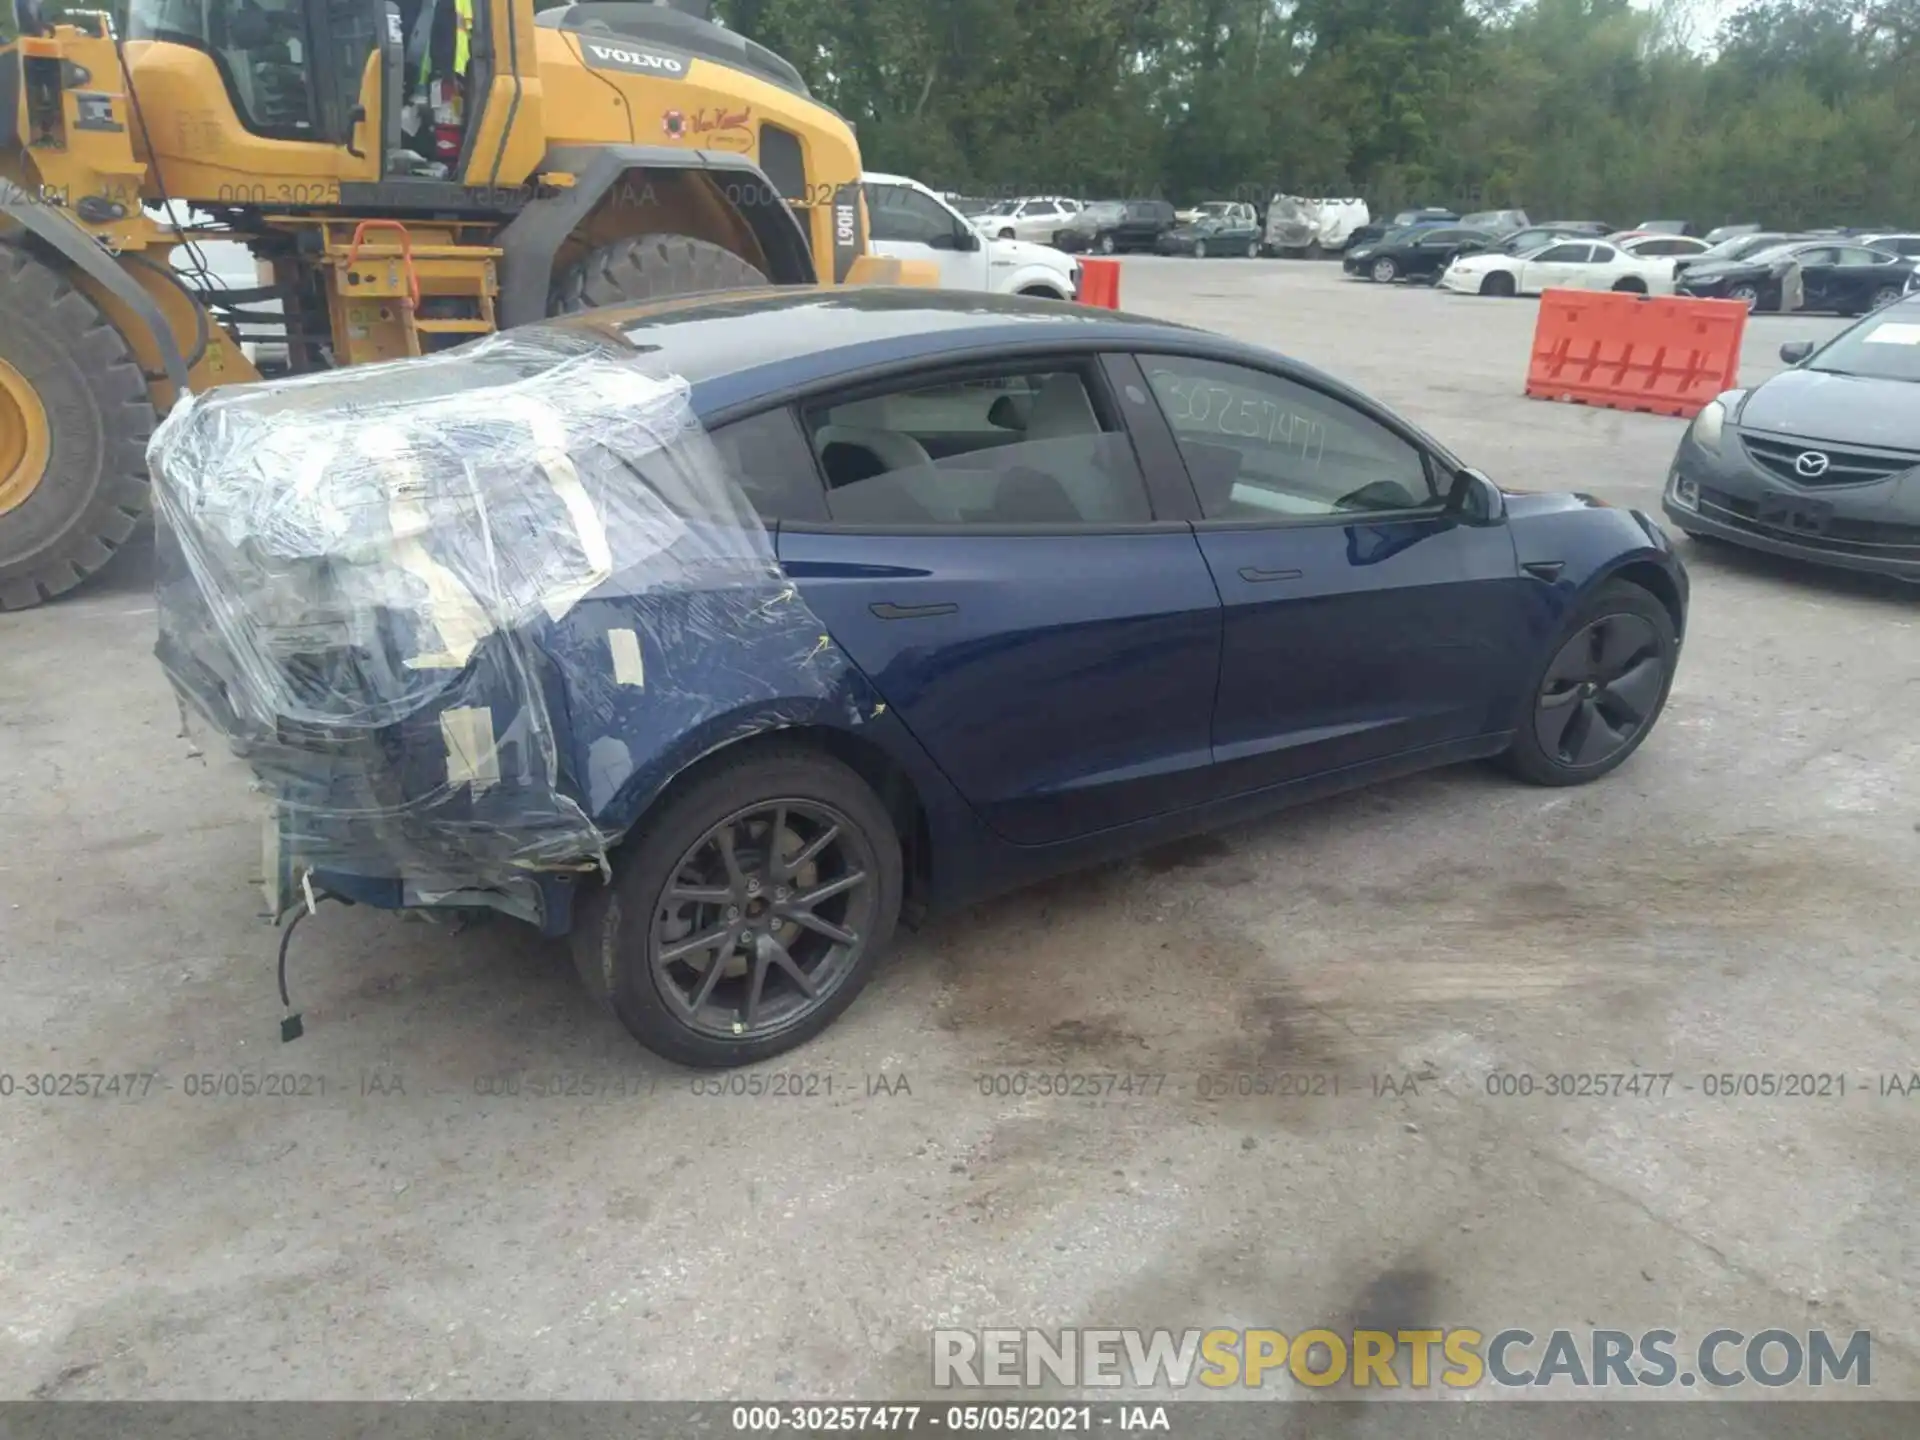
{"points": [[651, 267], [1253, 249], [1629, 285], [1384, 271], [1199, 249], [1884, 297], [1499, 285], [1748, 295], [1007, 234], [1313, 251], [613, 934], [92, 489], [1106, 245], [1615, 608], [1043, 292]]}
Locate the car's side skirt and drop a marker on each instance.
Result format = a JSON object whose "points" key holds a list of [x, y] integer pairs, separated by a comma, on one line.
{"points": [[997, 866]]}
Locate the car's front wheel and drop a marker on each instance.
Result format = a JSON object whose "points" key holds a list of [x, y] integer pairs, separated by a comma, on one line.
{"points": [[1600, 691], [1499, 284], [1253, 249], [1385, 271], [1199, 249], [1747, 295], [1107, 245], [747, 912]]}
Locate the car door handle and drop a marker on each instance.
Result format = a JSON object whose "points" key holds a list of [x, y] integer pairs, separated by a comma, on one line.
{"points": [[887, 610], [1254, 574]]}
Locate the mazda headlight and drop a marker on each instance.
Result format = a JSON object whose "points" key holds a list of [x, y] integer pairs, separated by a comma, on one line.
{"points": [[1707, 426]]}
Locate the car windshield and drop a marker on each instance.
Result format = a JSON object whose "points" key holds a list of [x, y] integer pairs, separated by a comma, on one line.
{"points": [[1001, 207], [1215, 209], [1884, 347]]}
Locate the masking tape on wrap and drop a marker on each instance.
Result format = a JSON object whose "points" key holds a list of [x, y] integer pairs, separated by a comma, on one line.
{"points": [[625, 648], [452, 608], [472, 756], [550, 454]]}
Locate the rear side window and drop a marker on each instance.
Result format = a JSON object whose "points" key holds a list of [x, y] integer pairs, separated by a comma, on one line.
{"points": [[767, 456], [1035, 447]]}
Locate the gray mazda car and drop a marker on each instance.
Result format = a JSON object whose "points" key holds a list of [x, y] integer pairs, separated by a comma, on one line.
{"points": [[1822, 462]]}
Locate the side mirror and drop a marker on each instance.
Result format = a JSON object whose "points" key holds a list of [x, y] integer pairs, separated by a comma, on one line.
{"points": [[968, 239], [1475, 498], [1794, 351]]}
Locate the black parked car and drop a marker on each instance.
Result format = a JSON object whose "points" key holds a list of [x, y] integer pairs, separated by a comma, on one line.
{"points": [[1534, 237], [1378, 230], [1847, 279], [1227, 227], [1420, 252], [1816, 462], [1739, 247], [1113, 226]]}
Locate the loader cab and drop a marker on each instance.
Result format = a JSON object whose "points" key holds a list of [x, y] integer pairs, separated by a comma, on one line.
{"points": [[357, 76], [292, 69]]}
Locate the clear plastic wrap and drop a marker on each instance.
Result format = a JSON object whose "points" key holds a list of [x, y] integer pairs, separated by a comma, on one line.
{"points": [[375, 582]]}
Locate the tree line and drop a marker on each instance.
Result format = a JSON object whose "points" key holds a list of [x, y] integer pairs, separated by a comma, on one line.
{"points": [[1794, 113]]}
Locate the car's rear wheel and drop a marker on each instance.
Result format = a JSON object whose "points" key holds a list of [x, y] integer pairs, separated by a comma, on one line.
{"points": [[1253, 249], [1006, 233], [1747, 295], [1629, 285], [1498, 284], [1199, 249], [1106, 245], [1884, 296], [1600, 691], [1385, 271], [750, 911]]}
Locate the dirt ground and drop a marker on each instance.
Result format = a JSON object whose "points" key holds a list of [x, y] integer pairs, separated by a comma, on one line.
{"points": [[485, 1190]]}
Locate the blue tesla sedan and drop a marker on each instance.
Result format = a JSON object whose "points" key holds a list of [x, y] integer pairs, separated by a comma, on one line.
{"points": [[1070, 583]]}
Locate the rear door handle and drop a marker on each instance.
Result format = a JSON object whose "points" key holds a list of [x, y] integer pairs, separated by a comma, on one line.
{"points": [[887, 610], [1254, 574]]}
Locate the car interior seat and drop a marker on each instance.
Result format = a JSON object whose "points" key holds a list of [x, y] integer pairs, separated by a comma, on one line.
{"points": [[852, 454]]}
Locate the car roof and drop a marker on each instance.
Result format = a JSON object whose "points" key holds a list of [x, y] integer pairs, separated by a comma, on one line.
{"points": [[741, 346]]}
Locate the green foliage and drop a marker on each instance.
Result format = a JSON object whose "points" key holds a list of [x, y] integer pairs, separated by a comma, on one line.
{"points": [[1802, 112]]}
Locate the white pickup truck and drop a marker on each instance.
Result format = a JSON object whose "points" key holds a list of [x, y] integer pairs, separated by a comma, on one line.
{"points": [[907, 221]]}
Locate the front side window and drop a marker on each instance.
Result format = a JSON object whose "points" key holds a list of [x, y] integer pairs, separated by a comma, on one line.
{"points": [[1260, 447], [897, 213], [1024, 447]]}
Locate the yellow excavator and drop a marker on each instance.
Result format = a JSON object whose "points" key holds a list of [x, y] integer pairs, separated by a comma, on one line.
{"points": [[404, 174]]}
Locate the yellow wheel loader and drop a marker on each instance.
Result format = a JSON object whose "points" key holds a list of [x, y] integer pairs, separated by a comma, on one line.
{"points": [[404, 175]]}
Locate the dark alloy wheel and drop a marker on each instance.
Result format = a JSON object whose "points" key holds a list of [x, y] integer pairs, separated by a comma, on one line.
{"points": [[752, 912], [1498, 284], [1601, 692]]}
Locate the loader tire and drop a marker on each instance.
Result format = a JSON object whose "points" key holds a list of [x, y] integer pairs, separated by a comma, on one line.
{"points": [[651, 267], [75, 418]]}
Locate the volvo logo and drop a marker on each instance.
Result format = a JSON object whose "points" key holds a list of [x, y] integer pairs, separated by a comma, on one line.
{"points": [[1810, 464]]}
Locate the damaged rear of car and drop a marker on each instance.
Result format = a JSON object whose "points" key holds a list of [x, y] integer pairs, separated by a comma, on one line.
{"points": [[465, 616]]}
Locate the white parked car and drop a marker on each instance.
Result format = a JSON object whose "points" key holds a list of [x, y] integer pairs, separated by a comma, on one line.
{"points": [[907, 221], [1659, 247], [1561, 265], [1300, 225], [1032, 217]]}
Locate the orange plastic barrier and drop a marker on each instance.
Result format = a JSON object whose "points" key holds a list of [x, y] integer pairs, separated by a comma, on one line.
{"points": [[1662, 355], [1100, 283]]}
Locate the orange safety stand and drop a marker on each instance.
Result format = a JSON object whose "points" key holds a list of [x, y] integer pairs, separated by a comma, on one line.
{"points": [[1660, 356], [1100, 283]]}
